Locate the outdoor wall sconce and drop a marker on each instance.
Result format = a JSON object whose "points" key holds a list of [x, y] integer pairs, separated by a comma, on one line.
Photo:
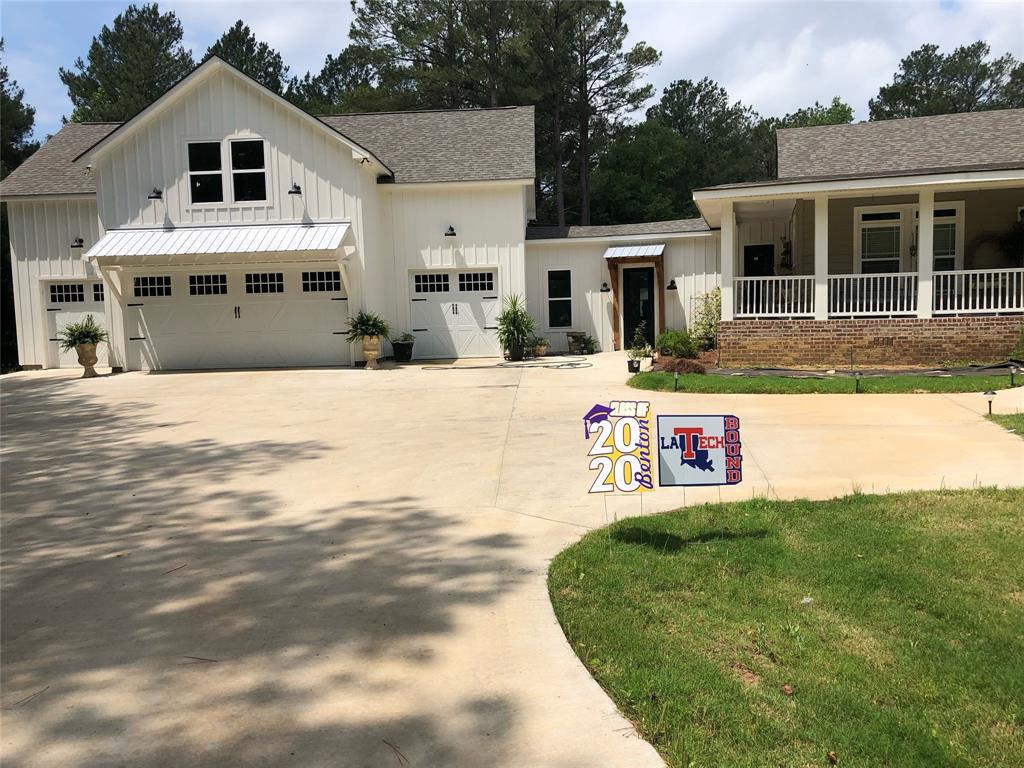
{"points": [[156, 194], [295, 190], [671, 285], [78, 243], [605, 288], [450, 232], [990, 396]]}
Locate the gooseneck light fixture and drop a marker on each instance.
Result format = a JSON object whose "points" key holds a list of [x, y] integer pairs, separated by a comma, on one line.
{"points": [[156, 194], [295, 190], [78, 243], [450, 232], [671, 285]]}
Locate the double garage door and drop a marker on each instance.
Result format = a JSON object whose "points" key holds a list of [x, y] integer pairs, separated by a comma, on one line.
{"points": [[454, 313], [257, 316]]}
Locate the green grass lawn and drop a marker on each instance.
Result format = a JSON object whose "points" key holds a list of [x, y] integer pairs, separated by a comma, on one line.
{"points": [[910, 653], [782, 385], [1014, 422]]}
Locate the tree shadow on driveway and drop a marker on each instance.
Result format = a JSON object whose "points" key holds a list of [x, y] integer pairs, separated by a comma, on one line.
{"points": [[164, 604]]}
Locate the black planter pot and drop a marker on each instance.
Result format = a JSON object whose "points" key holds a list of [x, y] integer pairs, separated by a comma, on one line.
{"points": [[403, 351], [634, 366], [516, 354]]}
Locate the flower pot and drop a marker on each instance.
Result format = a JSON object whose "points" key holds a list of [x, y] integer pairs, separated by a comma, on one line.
{"points": [[87, 359], [403, 351], [371, 350], [515, 354], [634, 366]]}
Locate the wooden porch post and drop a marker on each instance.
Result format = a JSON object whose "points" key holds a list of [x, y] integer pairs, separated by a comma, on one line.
{"points": [[659, 281], [613, 274]]}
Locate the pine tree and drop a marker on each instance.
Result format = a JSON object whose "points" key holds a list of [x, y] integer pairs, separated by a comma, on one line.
{"points": [[240, 48]]}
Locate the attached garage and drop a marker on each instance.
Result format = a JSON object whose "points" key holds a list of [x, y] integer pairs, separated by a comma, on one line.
{"points": [[454, 313]]}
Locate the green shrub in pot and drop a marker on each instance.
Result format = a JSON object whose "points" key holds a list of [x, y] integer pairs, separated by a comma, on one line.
{"points": [[370, 328], [402, 346], [83, 337], [515, 327]]}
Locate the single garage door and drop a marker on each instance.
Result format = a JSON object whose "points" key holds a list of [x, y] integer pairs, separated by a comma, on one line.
{"points": [[257, 316], [454, 314], [70, 302]]}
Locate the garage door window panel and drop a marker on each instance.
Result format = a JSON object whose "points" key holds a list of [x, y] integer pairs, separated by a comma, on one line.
{"points": [[151, 286], [248, 171], [559, 298], [207, 285], [431, 283], [476, 281], [264, 282], [67, 293], [318, 282], [205, 176]]}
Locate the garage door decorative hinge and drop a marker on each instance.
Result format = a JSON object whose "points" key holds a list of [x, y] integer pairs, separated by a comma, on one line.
{"points": [[136, 338], [54, 309], [419, 299], [135, 305], [339, 298], [420, 330]]}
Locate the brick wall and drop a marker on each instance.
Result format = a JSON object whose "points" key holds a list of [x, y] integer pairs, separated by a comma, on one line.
{"points": [[875, 341]]}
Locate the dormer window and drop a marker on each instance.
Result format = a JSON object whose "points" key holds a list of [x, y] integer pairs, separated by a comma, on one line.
{"points": [[205, 180], [248, 171]]}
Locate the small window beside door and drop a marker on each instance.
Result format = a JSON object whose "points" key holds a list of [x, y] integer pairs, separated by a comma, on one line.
{"points": [[264, 282], [67, 293], [207, 285], [205, 180], [560, 298]]}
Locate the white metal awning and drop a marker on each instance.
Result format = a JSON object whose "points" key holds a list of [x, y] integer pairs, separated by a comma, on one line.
{"points": [[188, 241], [634, 251]]}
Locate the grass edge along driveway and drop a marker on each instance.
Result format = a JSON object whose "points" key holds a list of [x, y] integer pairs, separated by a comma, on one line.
{"points": [[697, 624], [1011, 422], [785, 385]]}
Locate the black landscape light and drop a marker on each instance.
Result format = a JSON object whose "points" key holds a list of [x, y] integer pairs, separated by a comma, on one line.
{"points": [[1014, 370], [856, 382], [990, 396]]}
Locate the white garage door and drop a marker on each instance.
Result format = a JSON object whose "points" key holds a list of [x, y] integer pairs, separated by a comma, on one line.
{"points": [[454, 314], [258, 316], [70, 302]]}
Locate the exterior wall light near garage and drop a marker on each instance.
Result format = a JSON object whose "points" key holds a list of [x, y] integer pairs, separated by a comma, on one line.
{"points": [[990, 396], [605, 288], [671, 285], [156, 194], [295, 190], [78, 243], [450, 232]]}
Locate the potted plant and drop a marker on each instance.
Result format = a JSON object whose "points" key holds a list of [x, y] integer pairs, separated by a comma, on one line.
{"points": [[515, 328], [83, 337], [370, 328], [540, 346], [638, 349], [402, 345]]}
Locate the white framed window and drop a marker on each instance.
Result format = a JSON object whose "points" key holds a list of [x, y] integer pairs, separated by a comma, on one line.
{"points": [[97, 292], [476, 281], [264, 282], [947, 237], [430, 282], [317, 282], [886, 237], [205, 174], [248, 170], [207, 285], [148, 286], [67, 293], [559, 298]]}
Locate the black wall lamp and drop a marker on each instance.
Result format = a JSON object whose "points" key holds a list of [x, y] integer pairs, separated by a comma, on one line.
{"points": [[78, 243], [605, 288], [450, 232], [671, 285], [156, 194], [295, 190]]}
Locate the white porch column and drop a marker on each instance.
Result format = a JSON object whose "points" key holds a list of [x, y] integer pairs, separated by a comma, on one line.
{"points": [[728, 258], [925, 251], [820, 257]]}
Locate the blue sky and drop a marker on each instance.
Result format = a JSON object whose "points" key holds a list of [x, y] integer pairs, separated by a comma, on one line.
{"points": [[777, 56]]}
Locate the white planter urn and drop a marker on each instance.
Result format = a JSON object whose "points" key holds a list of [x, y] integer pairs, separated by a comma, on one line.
{"points": [[371, 351], [87, 359]]}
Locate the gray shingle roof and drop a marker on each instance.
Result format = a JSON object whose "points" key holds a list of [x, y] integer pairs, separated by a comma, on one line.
{"points": [[457, 145], [49, 170], [677, 226], [452, 145], [912, 146]]}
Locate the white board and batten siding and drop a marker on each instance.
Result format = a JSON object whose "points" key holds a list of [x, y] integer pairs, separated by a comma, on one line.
{"points": [[692, 261], [219, 108], [41, 254]]}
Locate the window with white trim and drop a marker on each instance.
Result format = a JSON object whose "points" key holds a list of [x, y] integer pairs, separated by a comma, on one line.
{"points": [[316, 282], [887, 237], [431, 282], [264, 282], [947, 237], [67, 293], [880, 234], [147, 286], [97, 292], [205, 177], [559, 298], [476, 281], [207, 285], [248, 171]]}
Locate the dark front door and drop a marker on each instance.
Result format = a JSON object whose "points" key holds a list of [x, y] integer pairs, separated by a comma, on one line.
{"points": [[638, 303], [759, 260]]}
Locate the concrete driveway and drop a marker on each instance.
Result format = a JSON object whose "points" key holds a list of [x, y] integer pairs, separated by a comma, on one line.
{"points": [[346, 568]]}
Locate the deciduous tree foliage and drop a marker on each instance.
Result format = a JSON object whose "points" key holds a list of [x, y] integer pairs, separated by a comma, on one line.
{"points": [[240, 48], [129, 65]]}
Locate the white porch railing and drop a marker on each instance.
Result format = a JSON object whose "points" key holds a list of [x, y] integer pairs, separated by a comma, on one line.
{"points": [[866, 295], [968, 291], [774, 296]]}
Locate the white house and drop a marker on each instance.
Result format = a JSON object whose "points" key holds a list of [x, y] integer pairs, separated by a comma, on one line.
{"points": [[225, 227]]}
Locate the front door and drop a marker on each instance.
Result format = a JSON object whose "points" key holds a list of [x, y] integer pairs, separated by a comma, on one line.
{"points": [[638, 304], [759, 260]]}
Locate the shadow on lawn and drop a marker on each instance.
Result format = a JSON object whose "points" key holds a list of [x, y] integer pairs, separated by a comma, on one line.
{"points": [[669, 542], [163, 606]]}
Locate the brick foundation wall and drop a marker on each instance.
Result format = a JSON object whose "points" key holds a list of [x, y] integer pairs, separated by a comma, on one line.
{"points": [[875, 341]]}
